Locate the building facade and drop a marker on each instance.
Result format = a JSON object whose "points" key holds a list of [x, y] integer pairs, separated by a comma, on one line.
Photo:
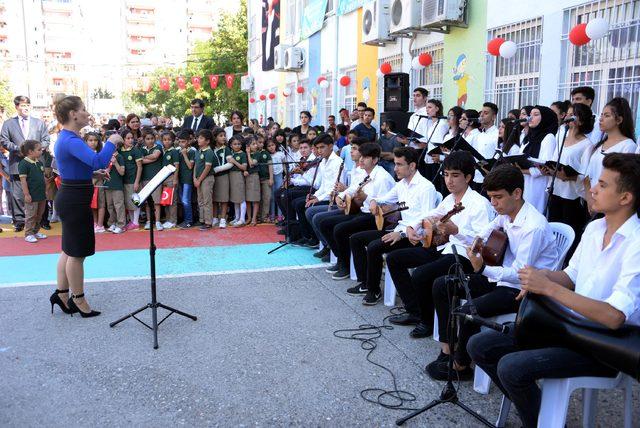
{"points": [[544, 69]]}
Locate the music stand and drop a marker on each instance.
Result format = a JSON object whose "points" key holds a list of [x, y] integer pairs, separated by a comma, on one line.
{"points": [[138, 200]]}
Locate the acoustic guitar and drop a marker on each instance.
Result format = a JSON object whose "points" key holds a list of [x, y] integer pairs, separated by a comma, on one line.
{"points": [[389, 218], [431, 235], [492, 251], [354, 203]]}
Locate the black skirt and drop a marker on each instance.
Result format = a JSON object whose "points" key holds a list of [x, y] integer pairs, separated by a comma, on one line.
{"points": [[73, 205]]}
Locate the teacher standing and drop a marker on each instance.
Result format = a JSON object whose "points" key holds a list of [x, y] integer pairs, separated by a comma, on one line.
{"points": [[76, 164]]}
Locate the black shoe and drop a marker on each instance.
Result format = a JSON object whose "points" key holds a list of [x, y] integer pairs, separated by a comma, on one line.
{"points": [[372, 298], [205, 227], [312, 243], [282, 232], [72, 305], [438, 370], [358, 290], [333, 268], [300, 242], [404, 319], [18, 228], [321, 253], [185, 225], [56, 300], [46, 226], [442, 357], [198, 224], [326, 259], [422, 330], [341, 274], [281, 223]]}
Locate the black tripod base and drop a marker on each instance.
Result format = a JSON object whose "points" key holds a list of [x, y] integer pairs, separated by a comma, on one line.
{"points": [[282, 244], [154, 315]]}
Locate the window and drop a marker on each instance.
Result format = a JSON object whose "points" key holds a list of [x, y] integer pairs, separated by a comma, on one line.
{"points": [[430, 77], [610, 64], [349, 92], [328, 98], [515, 82], [396, 67], [291, 17], [303, 97]]}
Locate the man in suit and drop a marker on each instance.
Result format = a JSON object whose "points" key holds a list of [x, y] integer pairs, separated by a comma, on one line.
{"points": [[14, 132], [197, 120]]}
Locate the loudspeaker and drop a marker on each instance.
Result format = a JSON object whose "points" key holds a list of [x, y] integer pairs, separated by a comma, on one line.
{"points": [[401, 118], [396, 92]]}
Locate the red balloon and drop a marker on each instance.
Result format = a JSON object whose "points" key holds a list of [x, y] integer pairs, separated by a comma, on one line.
{"points": [[578, 35], [425, 59], [320, 79], [300, 90], [263, 97], [252, 100], [493, 47], [385, 68], [345, 81], [272, 96]]}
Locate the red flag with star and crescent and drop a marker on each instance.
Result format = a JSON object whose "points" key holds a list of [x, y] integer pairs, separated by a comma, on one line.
{"points": [[229, 79], [213, 80], [164, 83], [196, 82], [182, 82]]}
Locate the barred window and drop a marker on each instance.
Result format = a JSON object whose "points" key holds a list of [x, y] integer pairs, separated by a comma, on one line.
{"points": [[303, 97], [610, 64], [349, 92], [515, 82], [430, 77], [396, 67]]}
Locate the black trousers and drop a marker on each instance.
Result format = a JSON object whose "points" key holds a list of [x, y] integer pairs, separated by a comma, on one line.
{"points": [[367, 249], [416, 289], [339, 228], [285, 198], [17, 201], [489, 299], [299, 206]]}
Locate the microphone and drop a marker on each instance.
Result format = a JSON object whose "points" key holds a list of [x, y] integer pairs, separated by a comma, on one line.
{"points": [[569, 119], [524, 119], [500, 328], [436, 117]]}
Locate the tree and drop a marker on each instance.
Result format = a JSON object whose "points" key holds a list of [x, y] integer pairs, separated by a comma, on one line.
{"points": [[225, 52], [102, 94], [6, 99]]}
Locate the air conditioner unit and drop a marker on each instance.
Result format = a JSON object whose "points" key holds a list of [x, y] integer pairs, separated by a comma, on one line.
{"points": [[294, 59], [246, 83], [437, 15], [405, 17], [375, 23], [278, 57]]}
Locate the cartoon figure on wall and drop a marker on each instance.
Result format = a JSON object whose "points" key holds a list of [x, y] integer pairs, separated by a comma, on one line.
{"points": [[313, 96], [366, 90], [461, 79]]}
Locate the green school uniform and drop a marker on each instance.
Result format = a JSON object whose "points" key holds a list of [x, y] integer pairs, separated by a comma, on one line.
{"points": [[221, 155], [186, 173], [149, 170], [131, 158], [116, 182], [256, 168], [205, 157], [34, 171], [263, 168], [240, 157]]}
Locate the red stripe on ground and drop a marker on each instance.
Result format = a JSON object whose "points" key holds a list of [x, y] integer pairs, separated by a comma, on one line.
{"points": [[140, 240]]}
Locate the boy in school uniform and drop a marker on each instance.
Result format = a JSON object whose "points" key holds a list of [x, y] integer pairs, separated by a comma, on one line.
{"points": [[265, 171], [187, 156], [171, 156], [151, 165], [31, 172], [114, 195]]}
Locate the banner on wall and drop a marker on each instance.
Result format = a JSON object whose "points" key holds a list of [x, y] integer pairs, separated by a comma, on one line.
{"points": [[313, 17], [346, 6], [270, 32]]}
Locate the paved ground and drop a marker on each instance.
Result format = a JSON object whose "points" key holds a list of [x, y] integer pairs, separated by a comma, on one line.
{"points": [[262, 353]]}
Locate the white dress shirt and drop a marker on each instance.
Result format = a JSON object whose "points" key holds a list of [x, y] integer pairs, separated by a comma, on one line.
{"points": [[610, 274], [419, 125], [535, 184], [571, 156], [380, 183], [486, 143], [531, 243], [471, 221], [199, 120], [419, 195], [306, 178], [592, 160], [327, 175]]}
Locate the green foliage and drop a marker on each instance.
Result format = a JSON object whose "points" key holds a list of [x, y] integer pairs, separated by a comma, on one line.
{"points": [[225, 52], [101, 94], [6, 97]]}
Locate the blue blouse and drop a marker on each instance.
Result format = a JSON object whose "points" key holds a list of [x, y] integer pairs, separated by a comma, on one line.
{"points": [[76, 161]]}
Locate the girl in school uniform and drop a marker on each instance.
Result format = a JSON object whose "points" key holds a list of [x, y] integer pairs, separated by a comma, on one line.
{"points": [[221, 186], [171, 156], [94, 141], [236, 181], [277, 157], [252, 181], [132, 179]]}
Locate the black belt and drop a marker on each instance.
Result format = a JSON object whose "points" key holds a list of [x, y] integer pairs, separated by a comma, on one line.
{"points": [[77, 183]]}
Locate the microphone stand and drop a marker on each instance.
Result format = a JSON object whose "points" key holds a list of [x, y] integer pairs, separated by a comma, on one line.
{"points": [[555, 174], [423, 155], [459, 137]]}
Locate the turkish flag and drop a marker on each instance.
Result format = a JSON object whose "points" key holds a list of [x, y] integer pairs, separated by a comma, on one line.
{"points": [[229, 79], [167, 196], [196, 82], [213, 80], [182, 82], [164, 83]]}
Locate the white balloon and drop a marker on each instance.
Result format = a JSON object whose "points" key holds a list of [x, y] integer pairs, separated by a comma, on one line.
{"points": [[286, 92], [415, 64], [597, 28], [508, 49], [324, 84]]}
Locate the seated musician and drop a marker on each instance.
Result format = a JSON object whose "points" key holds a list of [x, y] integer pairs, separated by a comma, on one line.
{"points": [[415, 288], [301, 176], [494, 288], [375, 182], [325, 180], [601, 283], [368, 247]]}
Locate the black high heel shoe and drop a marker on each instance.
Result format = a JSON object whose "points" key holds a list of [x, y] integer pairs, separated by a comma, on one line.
{"points": [[56, 300], [74, 307]]}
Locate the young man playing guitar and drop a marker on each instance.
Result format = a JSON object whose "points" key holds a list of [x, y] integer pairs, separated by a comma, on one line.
{"points": [[494, 288], [601, 284], [460, 230], [419, 195]]}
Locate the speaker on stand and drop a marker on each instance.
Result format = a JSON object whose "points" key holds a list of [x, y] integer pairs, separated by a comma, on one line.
{"points": [[396, 92]]}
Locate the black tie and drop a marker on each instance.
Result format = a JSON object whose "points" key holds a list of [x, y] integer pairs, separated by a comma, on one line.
{"points": [[195, 124]]}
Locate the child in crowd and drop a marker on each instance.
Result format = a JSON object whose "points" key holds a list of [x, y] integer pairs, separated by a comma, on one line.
{"points": [[341, 134], [345, 154], [50, 187], [132, 156], [265, 171], [252, 181], [293, 154], [31, 172], [221, 185], [203, 178], [94, 141], [4, 184], [312, 133], [277, 157], [236, 181], [114, 194], [151, 165], [171, 156], [185, 176]]}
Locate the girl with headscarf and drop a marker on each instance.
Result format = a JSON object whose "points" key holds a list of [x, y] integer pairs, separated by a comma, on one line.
{"points": [[539, 143]]}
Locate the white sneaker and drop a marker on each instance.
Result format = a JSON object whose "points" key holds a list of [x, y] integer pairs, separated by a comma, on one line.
{"points": [[41, 235], [117, 230], [113, 226], [99, 229], [214, 222], [239, 223], [168, 225], [147, 226], [31, 239], [159, 226], [223, 223]]}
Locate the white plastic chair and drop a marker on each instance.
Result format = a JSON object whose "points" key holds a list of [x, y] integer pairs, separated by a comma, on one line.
{"points": [[439, 198], [352, 270], [556, 394], [332, 258]]}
